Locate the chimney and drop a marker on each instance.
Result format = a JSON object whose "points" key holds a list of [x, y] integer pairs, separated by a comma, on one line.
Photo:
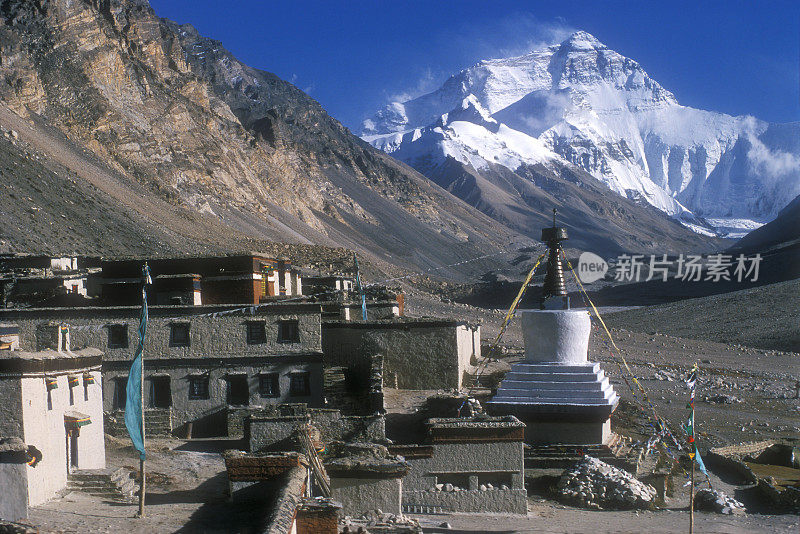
{"points": [[318, 516]]}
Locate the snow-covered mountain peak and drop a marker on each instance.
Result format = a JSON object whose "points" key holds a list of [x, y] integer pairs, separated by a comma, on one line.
{"points": [[581, 103], [581, 40], [599, 77], [470, 110]]}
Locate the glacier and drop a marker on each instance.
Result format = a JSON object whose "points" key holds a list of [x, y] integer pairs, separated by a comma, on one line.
{"points": [[579, 103]]}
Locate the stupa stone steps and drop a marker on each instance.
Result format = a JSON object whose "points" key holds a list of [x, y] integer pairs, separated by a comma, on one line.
{"points": [[599, 396], [551, 385]]}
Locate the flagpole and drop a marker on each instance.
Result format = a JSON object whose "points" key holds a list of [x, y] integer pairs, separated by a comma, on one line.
{"points": [[141, 406], [694, 376], [691, 502]]}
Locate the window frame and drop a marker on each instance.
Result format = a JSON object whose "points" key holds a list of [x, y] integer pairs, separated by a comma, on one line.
{"points": [[204, 379], [261, 328], [173, 327], [118, 329], [282, 337], [276, 383], [296, 375]]}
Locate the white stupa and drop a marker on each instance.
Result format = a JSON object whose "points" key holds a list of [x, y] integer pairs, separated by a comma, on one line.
{"points": [[557, 392]]}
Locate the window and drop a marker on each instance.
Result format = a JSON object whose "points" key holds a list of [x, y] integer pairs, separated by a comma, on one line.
{"points": [[288, 332], [179, 335], [256, 332], [300, 384], [268, 385], [198, 387], [238, 390], [120, 393], [160, 392], [117, 336]]}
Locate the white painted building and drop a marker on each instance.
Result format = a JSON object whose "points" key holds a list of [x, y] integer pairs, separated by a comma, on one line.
{"points": [[52, 402]]}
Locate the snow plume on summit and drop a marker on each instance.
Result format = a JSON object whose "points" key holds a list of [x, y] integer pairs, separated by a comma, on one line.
{"points": [[579, 104]]}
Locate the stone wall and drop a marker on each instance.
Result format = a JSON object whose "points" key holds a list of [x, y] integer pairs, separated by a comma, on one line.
{"points": [[210, 416], [359, 495], [11, 408], [14, 482], [209, 337], [494, 501], [355, 390], [272, 430], [417, 353], [477, 465], [218, 348]]}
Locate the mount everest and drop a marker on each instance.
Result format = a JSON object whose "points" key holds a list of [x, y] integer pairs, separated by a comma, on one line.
{"points": [[579, 106]]}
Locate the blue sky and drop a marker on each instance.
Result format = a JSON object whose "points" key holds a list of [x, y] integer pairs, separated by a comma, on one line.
{"points": [[354, 56]]}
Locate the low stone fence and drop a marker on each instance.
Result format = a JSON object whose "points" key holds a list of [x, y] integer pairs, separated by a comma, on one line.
{"points": [[495, 500]]}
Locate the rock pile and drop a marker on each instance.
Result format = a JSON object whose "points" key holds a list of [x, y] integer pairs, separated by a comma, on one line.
{"points": [[377, 522], [721, 399], [715, 501], [594, 484], [449, 488]]}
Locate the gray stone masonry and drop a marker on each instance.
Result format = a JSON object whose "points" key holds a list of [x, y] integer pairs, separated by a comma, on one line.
{"points": [[223, 350], [417, 353], [476, 466]]}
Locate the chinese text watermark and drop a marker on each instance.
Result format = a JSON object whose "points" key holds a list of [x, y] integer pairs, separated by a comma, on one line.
{"points": [[688, 268]]}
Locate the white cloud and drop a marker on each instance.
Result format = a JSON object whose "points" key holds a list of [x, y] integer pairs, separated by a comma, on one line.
{"points": [[510, 36], [427, 82], [513, 35], [772, 164]]}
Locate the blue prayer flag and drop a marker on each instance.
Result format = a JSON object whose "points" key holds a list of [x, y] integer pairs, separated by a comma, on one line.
{"points": [[133, 391], [360, 290]]}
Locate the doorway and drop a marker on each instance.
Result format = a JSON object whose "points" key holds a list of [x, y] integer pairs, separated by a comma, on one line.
{"points": [[72, 449], [160, 392], [238, 390]]}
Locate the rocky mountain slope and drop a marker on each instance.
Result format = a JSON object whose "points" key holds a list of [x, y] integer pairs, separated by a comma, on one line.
{"points": [[783, 231], [199, 136], [135, 134], [580, 104]]}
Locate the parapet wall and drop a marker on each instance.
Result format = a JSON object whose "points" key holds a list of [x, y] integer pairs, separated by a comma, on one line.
{"points": [[417, 354], [472, 465], [273, 429]]}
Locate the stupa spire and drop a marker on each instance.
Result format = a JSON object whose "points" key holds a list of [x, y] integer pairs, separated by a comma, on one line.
{"points": [[554, 291]]}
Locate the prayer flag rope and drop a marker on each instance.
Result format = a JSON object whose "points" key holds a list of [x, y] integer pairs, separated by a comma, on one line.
{"points": [[658, 423], [694, 454], [506, 321]]}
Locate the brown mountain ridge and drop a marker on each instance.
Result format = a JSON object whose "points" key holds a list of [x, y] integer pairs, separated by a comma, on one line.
{"points": [[137, 135]]}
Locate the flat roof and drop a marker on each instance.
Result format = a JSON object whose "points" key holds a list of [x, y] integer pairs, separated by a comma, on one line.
{"points": [[163, 309], [18, 361], [399, 322], [505, 421]]}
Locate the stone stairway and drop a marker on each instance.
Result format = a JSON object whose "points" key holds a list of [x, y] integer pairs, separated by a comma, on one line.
{"points": [[617, 452], [157, 422], [108, 483]]}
